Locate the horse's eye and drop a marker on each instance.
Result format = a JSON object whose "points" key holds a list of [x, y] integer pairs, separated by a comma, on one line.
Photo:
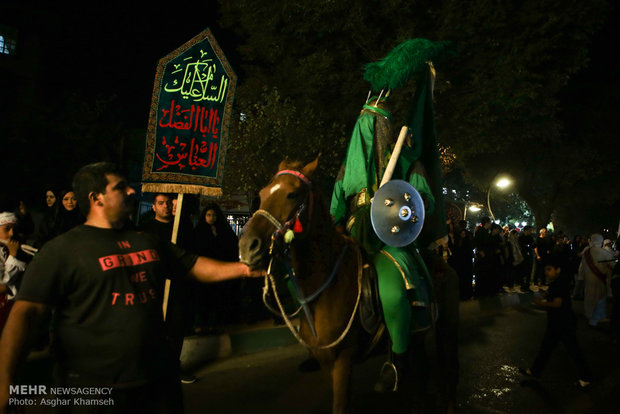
{"points": [[292, 196]]}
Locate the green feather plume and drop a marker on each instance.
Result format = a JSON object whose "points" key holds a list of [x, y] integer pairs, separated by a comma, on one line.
{"points": [[402, 63]]}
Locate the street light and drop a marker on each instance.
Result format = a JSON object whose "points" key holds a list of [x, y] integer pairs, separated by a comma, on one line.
{"points": [[501, 183], [473, 207]]}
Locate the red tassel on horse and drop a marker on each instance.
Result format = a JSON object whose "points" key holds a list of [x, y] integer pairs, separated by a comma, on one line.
{"points": [[297, 227]]}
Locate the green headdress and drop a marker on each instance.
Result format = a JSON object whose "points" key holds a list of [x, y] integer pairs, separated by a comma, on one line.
{"points": [[406, 60]]}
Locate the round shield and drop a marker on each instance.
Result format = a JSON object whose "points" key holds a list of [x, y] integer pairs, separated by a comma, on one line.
{"points": [[397, 213]]}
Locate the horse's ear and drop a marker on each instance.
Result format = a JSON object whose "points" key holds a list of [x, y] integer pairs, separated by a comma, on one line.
{"points": [[309, 169], [283, 164]]}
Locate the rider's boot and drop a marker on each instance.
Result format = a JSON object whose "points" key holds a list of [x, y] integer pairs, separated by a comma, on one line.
{"points": [[392, 373]]}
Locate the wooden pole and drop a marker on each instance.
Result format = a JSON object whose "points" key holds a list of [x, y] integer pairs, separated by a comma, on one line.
{"points": [[389, 170], [175, 232]]}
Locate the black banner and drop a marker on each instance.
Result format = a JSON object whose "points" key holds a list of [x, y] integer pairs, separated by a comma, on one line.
{"points": [[188, 124]]}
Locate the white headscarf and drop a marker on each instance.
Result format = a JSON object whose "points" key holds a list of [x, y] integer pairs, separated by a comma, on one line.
{"points": [[7, 217], [596, 240]]}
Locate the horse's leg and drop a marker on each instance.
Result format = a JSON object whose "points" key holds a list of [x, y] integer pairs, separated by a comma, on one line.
{"points": [[420, 373], [447, 293], [341, 381]]}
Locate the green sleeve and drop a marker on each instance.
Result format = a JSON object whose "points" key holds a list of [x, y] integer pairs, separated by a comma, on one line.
{"points": [[338, 207]]}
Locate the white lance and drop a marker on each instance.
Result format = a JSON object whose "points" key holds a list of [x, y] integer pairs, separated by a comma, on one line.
{"points": [[389, 170]]}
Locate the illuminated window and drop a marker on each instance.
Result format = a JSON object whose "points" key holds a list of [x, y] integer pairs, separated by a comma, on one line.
{"points": [[8, 41]]}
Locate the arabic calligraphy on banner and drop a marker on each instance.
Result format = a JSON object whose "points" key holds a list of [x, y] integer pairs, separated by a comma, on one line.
{"points": [[188, 124]]}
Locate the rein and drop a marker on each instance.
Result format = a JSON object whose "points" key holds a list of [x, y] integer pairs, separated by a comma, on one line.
{"points": [[284, 229], [288, 322]]}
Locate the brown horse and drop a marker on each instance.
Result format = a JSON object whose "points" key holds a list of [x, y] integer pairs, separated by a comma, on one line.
{"points": [[294, 217]]}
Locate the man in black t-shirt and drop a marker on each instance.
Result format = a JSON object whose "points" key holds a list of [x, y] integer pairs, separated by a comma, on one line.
{"points": [[543, 249], [561, 323], [527, 244], [179, 314], [162, 222], [105, 283]]}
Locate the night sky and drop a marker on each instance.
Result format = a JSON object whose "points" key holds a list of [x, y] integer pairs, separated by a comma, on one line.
{"points": [[106, 51], [100, 52]]}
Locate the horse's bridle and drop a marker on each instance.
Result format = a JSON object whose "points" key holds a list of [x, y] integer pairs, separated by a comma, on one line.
{"points": [[293, 222], [281, 230]]}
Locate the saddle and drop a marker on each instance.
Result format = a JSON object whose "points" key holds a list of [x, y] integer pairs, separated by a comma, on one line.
{"points": [[370, 313]]}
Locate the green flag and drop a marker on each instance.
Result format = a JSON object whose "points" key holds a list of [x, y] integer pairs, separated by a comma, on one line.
{"points": [[421, 123]]}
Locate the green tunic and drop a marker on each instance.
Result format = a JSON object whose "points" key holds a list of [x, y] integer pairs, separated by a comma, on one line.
{"points": [[403, 278]]}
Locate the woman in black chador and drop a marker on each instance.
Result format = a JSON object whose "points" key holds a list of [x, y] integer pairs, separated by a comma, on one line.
{"points": [[213, 237], [66, 215]]}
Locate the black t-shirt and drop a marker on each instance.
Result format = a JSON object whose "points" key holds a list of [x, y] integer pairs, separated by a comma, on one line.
{"points": [[545, 247], [527, 243], [106, 287], [562, 317], [159, 228], [164, 231]]}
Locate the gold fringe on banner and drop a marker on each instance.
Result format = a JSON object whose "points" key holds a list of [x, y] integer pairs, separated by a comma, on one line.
{"points": [[181, 188]]}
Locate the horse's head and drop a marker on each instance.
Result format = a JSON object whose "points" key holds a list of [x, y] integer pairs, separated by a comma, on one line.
{"points": [[285, 203]]}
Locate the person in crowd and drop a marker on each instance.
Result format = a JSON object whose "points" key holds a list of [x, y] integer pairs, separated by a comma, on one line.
{"points": [[526, 244], [483, 266], [497, 259], [561, 324], [573, 262], [11, 268], [516, 262], [106, 282], [615, 293], [213, 237], [179, 318], [543, 250], [50, 197], [47, 220], [596, 266], [578, 291], [562, 250], [24, 228], [462, 248], [577, 241], [67, 215], [162, 222]]}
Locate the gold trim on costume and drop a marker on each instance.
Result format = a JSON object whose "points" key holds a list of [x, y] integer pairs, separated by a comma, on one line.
{"points": [[350, 224], [408, 285]]}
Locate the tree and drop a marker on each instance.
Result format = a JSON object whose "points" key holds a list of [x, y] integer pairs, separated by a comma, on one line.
{"points": [[502, 92], [268, 131], [498, 98]]}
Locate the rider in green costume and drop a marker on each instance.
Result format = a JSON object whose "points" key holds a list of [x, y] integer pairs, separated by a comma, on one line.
{"points": [[404, 283], [405, 286]]}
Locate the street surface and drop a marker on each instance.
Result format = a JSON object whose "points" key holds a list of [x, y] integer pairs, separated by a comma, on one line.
{"points": [[493, 344]]}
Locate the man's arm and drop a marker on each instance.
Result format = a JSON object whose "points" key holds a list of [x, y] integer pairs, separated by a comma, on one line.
{"points": [[211, 271], [23, 315]]}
